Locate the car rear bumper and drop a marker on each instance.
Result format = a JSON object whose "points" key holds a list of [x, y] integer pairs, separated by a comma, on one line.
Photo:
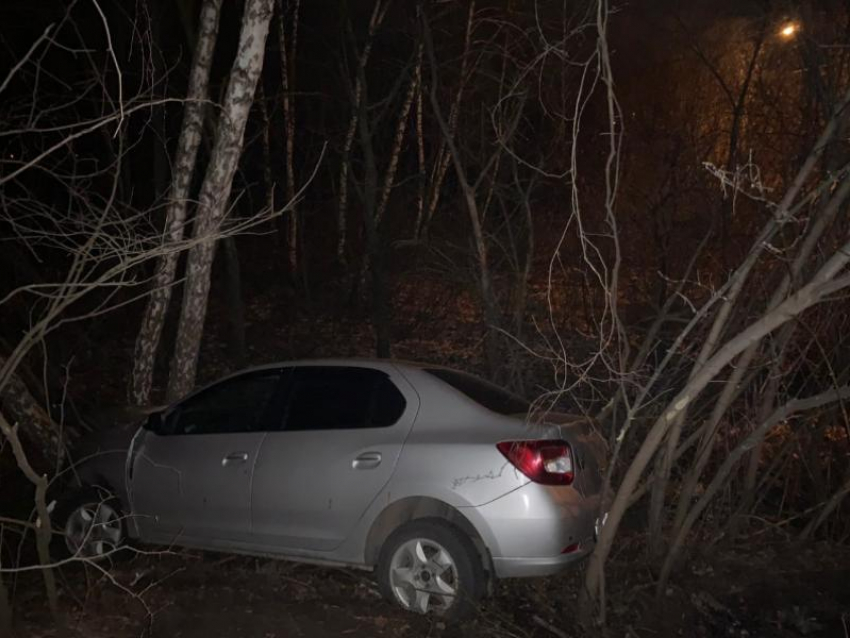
{"points": [[527, 566], [537, 530]]}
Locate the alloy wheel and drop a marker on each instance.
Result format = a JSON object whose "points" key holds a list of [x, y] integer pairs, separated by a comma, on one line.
{"points": [[423, 576], [93, 530]]}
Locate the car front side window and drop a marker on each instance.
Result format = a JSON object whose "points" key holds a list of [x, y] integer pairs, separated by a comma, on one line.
{"points": [[240, 404]]}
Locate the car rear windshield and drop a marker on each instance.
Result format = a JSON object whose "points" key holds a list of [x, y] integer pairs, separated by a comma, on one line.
{"points": [[487, 394]]}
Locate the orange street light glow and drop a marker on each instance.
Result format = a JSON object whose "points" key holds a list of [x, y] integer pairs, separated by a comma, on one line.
{"points": [[788, 30]]}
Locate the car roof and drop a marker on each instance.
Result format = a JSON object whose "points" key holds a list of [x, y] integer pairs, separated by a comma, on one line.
{"points": [[365, 362]]}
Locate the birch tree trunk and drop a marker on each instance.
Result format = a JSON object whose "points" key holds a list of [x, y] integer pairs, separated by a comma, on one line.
{"points": [[215, 192], [147, 342]]}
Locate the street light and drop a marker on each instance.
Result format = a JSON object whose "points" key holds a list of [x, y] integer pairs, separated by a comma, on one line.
{"points": [[789, 30]]}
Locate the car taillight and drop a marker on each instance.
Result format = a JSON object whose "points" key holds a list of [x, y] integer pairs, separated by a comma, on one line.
{"points": [[545, 462]]}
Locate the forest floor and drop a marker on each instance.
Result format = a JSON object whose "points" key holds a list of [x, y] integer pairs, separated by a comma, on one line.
{"points": [[769, 589]]}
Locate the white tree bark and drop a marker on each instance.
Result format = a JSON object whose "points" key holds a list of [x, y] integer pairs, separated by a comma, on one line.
{"points": [[215, 192], [147, 342]]}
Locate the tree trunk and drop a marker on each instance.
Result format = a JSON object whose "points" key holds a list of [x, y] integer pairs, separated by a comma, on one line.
{"points": [[749, 489], [420, 151], [288, 57], [215, 192], [159, 145], [738, 113], [443, 156], [392, 166], [5, 610], [235, 304], [378, 13], [44, 531], [374, 249], [38, 430], [829, 507], [147, 342], [489, 303]]}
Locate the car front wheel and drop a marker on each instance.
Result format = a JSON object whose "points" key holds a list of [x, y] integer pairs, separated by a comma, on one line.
{"points": [[429, 566], [90, 523]]}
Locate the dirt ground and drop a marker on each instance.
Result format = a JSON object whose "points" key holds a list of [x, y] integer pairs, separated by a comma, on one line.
{"points": [[761, 589]]}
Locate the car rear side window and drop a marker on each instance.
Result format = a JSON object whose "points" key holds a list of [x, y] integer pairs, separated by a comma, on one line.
{"points": [[234, 405], [488, 394], [342, 398]]}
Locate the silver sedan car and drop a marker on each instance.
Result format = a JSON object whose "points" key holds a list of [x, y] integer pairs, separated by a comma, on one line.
{"points": [[434, 478]]}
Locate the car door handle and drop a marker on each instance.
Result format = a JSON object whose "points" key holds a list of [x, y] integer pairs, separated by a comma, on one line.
{"points": [[234, 457], [367, 461]]}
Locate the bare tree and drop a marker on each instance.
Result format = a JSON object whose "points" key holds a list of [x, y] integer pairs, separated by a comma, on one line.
{"points": [[215, 192], [376, 191], [497, 171], [379, 12], [737, 102], [468, 188], [191, 132], [429, 198], [723, 346], [288, 64], [98, 242]]}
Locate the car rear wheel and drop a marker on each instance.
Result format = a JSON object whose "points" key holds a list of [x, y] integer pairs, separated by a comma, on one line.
{"points": [[90, 525], [429, 566]]}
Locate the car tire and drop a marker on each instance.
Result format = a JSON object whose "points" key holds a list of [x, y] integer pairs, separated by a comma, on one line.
{"points": [[448, 583], [88, 524]]}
